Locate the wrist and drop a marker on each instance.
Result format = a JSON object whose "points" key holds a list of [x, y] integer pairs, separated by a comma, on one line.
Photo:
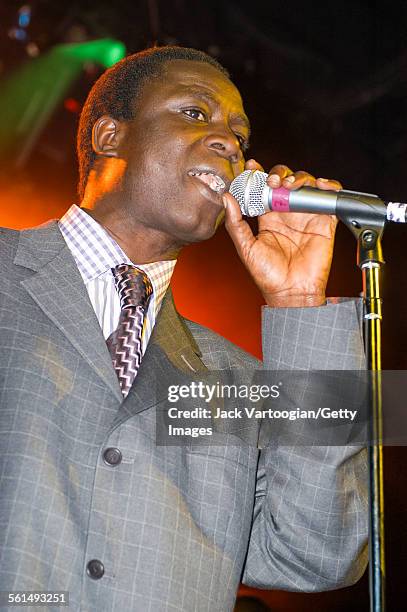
{"points": [[295, 301]]}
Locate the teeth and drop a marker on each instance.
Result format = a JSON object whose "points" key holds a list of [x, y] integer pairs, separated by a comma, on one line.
{"points": [[215, 182], [217, 185]]}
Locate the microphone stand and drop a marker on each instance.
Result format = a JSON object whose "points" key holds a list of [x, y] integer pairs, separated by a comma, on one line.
{"points": [[367, 225]]}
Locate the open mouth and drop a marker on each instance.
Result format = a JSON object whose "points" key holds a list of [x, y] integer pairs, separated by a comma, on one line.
{"points": [[211, 179]]}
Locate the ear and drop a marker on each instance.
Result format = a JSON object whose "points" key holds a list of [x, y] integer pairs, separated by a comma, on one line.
{"points": [[106, 136]]}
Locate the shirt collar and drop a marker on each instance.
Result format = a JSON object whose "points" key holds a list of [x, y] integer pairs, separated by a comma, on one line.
{"points": [[96, 252]]}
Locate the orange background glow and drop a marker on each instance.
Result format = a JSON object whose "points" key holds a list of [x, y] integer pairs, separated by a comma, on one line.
{"points": [[210, 284]]}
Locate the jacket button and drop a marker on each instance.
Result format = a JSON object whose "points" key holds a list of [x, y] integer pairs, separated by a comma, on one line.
{"points": [[112, 456], [95, 569]]}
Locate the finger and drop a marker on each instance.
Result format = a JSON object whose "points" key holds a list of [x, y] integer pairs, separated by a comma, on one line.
{"points": [[277, 174], [238, 229], [334, 222], [299, 179], [323, 183], [252, 164]]}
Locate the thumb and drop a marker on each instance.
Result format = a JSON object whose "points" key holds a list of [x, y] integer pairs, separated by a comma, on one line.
{"points": [[237, 228]]}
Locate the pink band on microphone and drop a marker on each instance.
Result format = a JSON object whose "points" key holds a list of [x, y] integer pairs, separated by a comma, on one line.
{"points": [[280, 200]]}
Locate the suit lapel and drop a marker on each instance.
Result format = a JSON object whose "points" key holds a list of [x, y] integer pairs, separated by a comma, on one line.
{"points": [[171, 353], [174, 338], [58, 289]]}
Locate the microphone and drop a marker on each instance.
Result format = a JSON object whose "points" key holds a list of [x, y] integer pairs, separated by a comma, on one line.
{"points": [[256, 198]]}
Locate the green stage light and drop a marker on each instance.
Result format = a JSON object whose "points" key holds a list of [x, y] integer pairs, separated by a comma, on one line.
{"points": [[28, 98], [105, 52]]}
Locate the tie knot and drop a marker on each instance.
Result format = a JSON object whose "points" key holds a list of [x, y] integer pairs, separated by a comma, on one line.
{"points": [[133, 286]]}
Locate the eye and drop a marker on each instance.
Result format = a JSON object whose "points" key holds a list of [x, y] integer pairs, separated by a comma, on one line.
{"points": [[244, 144], [195, 113]]}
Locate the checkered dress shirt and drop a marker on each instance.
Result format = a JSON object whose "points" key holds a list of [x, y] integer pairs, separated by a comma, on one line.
{"points": [[95, 253]]}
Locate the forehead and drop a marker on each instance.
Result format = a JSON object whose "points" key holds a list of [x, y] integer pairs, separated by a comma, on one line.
{"points": [[183, 77]]}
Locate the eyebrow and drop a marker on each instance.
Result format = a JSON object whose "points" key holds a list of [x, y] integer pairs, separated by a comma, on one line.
{"points": [[209, 98]]}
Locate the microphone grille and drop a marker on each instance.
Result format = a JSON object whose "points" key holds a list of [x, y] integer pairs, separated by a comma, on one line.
{"points": [[248, 189]]}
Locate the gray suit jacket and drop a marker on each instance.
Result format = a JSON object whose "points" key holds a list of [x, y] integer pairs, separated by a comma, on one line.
{"points": [[175, 527]]}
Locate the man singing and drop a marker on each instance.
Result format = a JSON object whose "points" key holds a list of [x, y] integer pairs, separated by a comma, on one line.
{"points": [[89, 503]]}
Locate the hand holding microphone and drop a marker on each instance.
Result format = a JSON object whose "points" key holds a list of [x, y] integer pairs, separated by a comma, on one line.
{"points": [[290, 257], [298, 245]]}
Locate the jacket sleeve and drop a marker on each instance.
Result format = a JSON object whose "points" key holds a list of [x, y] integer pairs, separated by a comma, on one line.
{"points": [[310, 522]]}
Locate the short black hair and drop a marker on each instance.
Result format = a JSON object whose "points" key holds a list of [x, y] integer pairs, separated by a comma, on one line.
{"points": [[116, 91]]}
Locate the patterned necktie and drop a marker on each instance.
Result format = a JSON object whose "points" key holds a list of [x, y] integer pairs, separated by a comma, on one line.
{"points": [[124, 344]]}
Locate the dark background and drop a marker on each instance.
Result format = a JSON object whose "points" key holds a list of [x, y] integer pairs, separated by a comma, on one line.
{"points": [[325, 86]]}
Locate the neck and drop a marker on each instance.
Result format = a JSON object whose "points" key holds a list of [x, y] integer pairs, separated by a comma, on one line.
{"points": [[140, 243]]}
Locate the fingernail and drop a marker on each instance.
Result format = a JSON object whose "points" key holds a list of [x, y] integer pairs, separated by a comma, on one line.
{"points": [[289, 179], [322, 180], [224, 202]]}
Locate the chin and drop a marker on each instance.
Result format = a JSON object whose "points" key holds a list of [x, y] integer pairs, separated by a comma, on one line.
{"points": [[203, 229]]}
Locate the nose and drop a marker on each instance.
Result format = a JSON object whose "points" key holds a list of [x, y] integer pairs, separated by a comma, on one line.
{"points": [[225, 144]]}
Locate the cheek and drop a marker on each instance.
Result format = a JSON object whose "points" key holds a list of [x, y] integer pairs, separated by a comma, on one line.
{"points": [[145, 172], [160, 187], [161, 159]]}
